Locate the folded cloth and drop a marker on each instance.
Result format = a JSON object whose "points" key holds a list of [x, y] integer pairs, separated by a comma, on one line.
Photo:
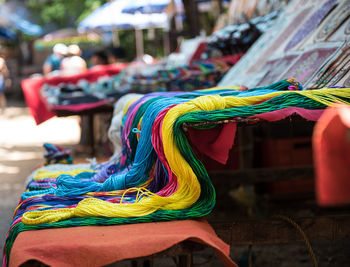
{"points": [[216, 142], [102, 245], [331, 144], [31, 88]]}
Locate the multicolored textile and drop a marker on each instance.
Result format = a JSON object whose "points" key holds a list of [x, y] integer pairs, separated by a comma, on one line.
{"points": [[31, 88], [157, 176], [56, 154], [311, 24]]}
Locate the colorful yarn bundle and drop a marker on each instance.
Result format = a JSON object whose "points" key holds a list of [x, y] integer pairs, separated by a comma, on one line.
{"points": [[56, 154], [82, 91], [157, 176], [198, 74]]}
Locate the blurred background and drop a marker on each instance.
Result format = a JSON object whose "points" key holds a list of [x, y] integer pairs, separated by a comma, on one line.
{"points": [[64, 64]]}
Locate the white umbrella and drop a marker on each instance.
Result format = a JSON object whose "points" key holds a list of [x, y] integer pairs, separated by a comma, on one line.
{"points": [[110, 17], [106, 17], [151, 6]]}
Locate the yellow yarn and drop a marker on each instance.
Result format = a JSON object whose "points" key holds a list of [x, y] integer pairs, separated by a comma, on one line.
{"points": [[220, 88], [129, 103], [323, 96], [189, 189], [42, 174], [188, 186]]}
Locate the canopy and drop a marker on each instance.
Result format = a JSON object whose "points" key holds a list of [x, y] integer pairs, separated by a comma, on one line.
{"points": [[105, 17], [110, 16], [7, 34], [12, 15], [159, 6], [150, 6]]}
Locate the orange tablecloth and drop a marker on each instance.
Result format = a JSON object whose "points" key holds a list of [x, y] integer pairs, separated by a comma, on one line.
{"points": [[101, 245]]}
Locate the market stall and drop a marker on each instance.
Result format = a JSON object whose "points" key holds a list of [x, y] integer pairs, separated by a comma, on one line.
{"points": [[252, 110]]}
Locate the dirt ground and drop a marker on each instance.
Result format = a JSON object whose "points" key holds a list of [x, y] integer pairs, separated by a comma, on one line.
{"points": [[21, 152]]}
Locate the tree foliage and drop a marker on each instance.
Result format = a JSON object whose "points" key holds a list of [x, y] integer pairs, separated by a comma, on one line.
{"points": [[63, 13]]}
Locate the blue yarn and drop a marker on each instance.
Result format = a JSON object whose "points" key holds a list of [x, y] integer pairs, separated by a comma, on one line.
{"points": [[138, 174], [145, 155], [135, 130], [69, 185], [51, 191], [84, 175], [48, 191]]}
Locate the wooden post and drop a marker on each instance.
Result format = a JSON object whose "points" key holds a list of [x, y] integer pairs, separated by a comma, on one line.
{"points": [[185, 260], [219, 3], [115, 37], [91, 134], [166, 42], [192, 17], [139, 43]]}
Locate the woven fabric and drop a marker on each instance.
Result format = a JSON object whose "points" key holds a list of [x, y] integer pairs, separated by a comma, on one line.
{"points": [[31, 88]]}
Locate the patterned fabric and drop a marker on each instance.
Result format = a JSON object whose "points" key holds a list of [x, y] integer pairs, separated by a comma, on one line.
{"points": [[311, 24], [310, 62], [342, 33], [276, 65], [332, 70], [333, 21]]}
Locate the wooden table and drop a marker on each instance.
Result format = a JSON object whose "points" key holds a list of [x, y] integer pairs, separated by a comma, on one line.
{"points": [[90, 113]]}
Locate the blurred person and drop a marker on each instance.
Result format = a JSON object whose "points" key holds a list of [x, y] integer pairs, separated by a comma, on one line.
{"points": [[53, 62], [98, 58], [115, 55], [73, 63], [4, 73]]}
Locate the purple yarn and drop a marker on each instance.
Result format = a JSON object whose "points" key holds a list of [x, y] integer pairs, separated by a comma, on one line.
{"points": [[158, 181], [52, 198], [105, 172], [102, 175], [45, 180], [42, 185]]}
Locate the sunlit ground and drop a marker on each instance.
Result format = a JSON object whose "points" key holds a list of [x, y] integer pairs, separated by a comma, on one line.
{"points": [[21, 152], [19, 129]]}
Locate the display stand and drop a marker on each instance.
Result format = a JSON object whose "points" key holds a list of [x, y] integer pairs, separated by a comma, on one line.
{"points": [[279, 223], [90, 113]]}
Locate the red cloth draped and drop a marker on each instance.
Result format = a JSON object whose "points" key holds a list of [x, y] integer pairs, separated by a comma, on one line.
{"points": [[308, 114], [31, 88], [217, 142]]}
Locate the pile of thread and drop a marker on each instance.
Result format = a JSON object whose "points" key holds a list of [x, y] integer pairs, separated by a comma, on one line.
{"points": [[83, 91], [156, 176], [56, 154], [199, 74]]}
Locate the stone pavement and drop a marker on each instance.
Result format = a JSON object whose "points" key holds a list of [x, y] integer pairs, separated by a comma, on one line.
{"points": [[21, 152]]}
